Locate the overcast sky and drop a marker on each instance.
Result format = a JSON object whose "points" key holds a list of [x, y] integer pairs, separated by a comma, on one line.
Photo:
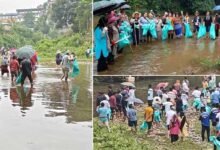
{"points": [[10, 6]]}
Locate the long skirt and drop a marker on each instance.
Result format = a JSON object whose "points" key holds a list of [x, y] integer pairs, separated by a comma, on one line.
{"points": [[102, 63], [178, 29]]}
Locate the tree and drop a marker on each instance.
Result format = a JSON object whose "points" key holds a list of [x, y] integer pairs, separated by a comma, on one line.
{"points": [[29, 20]]}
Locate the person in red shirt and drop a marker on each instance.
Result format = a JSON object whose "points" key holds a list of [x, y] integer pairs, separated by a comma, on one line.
{"points": [[14, 68], [113, 104]]}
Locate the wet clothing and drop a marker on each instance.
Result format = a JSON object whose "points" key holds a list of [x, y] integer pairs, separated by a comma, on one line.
{"points": [[136, 31], [26, 70]]}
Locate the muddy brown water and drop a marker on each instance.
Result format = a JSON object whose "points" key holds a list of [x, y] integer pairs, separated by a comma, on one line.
{"points": [[171, 57], [54, 115]]}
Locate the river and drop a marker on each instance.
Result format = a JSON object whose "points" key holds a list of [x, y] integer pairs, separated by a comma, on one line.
{"points": [[54, 115]]}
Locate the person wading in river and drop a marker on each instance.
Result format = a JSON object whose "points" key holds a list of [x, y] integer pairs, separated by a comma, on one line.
{"points": [[65, 66], [26, 71]]}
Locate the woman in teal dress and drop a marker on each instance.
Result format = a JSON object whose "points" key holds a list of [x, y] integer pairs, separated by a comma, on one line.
{"points": [[101, 46]]}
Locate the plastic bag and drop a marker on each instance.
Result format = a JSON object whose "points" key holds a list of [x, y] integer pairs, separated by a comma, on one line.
{"points": [[153, 30], [188, 32], [202, 31], [75, 71], [212, 32], [165, 32], [18, 80], [123, 40], [144, 126], [145, 28], [215, 141]]}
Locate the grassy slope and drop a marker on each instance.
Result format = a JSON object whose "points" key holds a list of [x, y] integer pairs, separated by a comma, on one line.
{"points": [[123, 139]]}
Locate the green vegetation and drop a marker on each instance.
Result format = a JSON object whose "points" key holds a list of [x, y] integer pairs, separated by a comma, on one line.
{"points": [[172, 5], [64, 26]]}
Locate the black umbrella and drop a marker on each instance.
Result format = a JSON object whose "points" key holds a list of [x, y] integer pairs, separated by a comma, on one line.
{"points": [[102, 7], [126, 6], [105, 6]]}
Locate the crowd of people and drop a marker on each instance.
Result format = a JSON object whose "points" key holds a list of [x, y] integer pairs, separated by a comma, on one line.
{"points": [[21, 68], [169, 102], [114, 31]]}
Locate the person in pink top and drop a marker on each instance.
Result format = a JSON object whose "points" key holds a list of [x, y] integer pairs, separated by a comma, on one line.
{"points": [[174, 129]]}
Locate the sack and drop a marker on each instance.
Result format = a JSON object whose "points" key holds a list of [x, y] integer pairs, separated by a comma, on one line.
{"points": [[145, 28], [202, 31], [153, 30], [212, 32], [75, 69], [144, 126], [18, 80], [188, 32], [123, 40], [165, 32]]}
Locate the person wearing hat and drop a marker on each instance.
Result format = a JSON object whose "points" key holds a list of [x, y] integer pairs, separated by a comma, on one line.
{"points": [[101, 44], [58, 58], [113, 34], [136, 27]]}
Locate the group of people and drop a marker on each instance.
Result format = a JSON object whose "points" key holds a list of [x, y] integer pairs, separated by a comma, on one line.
{"points": [[116, 31], [18, 67], [175, 104]]}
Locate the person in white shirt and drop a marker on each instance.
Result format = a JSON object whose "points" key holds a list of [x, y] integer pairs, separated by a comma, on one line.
{"points": [[169, 116], [184, 98], [167, 105], [150, 95], [197, 100], [185, 86]]}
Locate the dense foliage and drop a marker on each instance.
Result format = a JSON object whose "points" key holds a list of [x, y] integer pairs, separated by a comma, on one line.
{"points": [[173, 5], [64, 26]]}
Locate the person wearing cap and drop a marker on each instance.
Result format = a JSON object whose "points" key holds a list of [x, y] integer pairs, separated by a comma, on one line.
{"points": [[196, 22], [113, 35], [136, 27]]}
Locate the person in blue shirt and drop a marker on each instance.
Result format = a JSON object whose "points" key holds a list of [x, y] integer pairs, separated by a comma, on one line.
{"points": [[205, 122], [213, 114], [215, 97], [132, 117], [103, 115]]}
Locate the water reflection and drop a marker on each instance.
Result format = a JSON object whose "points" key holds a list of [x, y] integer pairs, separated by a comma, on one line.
{"points": [[52, 114], [165, 57]]}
